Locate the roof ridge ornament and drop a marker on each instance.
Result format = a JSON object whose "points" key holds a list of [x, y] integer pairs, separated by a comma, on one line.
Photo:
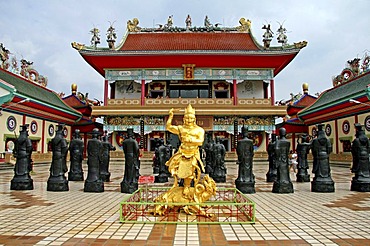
{"points": [[245, 25], [132, 26]]}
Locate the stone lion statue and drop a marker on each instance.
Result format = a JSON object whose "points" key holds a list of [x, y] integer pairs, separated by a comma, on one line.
{"points": [[199, 194], [132, 26]]}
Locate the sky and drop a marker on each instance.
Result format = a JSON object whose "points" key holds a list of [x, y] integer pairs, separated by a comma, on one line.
{"points": [[41, 31]]}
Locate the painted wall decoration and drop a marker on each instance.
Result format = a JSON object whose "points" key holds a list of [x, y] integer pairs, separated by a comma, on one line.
{"points": [[346, 127], [11, 123], [34, 127], [367, 123], [65, 132], [328, 130], [51, 130]]}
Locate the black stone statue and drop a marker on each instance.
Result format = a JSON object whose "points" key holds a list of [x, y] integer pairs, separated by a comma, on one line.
{"points": [[156, 163], [303, 148], [245, 151], [93, 182], [107, 148], [219, 169], [165, 153], [208, 147], [131, 150], [57, 180], [271, 175], [360, 156], [321, 149], [22, 152], [76, 151], [283, 184]]}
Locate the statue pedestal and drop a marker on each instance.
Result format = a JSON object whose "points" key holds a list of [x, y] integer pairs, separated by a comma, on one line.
{"points": [[21, 183], [162, 178], [322, 186], [361, 186], [95, 186], [75, 176], [282, 187], [57, 184], [245, 187], [271, 177], [303, 178], [129, 188], [105, 177]]}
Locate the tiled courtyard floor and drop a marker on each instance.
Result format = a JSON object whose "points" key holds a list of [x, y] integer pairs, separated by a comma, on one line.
{"points": [[40, 217]]}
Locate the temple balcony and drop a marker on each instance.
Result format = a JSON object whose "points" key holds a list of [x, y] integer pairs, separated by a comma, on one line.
{"points": [[203, 106]]}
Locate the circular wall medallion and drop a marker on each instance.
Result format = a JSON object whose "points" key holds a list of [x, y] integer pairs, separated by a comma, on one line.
{"points": [[11, 123], [51, 130], [34, 127], [367, 123], [346, 127], [65, 132], [328, 130]]}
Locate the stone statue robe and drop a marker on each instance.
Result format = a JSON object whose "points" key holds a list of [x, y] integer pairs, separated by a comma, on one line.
{"points": [[94, 150], [131, 150], [76, 149], [22, 152], [360, 156], [282, 147], [321, 148], [59, 146], [245, 152]]}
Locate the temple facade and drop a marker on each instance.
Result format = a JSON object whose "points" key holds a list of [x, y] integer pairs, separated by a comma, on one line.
{"points": [[224, 73], [340, 107]]}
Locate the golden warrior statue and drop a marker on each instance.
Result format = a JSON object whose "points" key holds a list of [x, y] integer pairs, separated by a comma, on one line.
{"points": [[186, 164], [183, 164]]}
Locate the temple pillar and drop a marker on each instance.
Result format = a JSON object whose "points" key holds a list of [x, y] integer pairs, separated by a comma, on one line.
{"points": [[235, 92], [105, 92], [336, 137], [142, 92], [272, 92]]}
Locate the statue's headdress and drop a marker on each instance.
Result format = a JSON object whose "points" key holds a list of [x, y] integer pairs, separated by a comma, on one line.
{"points": [[189, 110]]}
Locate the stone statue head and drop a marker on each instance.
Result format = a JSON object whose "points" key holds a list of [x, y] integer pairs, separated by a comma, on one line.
{"points": [[95, 133], [358, 128], [77, 134], [245, 131], [130, 132], [273, 137], [60, 128], [24, 128], [282, 132]]}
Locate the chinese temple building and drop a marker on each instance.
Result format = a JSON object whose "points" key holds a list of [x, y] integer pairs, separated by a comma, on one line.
{"points": [[340, 107], [225, 74], [24, 100], [293, 125]]}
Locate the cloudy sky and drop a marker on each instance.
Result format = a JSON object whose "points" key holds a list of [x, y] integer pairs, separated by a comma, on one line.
{"points": [[42, 31]]}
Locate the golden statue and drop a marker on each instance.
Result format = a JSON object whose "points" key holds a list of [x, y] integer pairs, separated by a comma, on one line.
{"points": [[245, 25], [186, 164]]}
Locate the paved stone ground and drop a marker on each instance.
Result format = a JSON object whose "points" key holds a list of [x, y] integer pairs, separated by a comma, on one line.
{"points": [[40, 217]]}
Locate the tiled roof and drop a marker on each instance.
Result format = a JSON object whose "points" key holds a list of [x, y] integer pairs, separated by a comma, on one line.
{"points": [[188, 41], [31, 90]]}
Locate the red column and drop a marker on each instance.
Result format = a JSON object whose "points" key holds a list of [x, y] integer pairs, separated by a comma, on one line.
{"points": [[142, 92], [272, 92], [105, 92], [43, 137], [293, 141], [336, 137], [235, 92]]}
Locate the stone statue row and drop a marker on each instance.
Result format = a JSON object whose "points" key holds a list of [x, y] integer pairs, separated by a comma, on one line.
{"points": [[97, 162]]}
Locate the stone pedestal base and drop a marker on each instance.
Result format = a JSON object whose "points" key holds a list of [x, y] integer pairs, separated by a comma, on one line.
{"points": [[105, 177], [18, 183], [161, 179], [219, 179], [245, 187], [129, 188], [270, 177], [360, 186], [322, 186], [75, 176], [282, 187], [96, 186], [303, 178], [57, 185]]}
